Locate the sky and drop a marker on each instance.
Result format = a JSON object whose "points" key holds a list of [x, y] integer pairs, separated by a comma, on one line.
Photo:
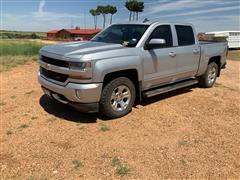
{"points": [[45, 15]]}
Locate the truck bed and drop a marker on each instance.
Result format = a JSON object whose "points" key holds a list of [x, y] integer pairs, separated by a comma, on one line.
{"points": [[211, 49], [210, 42]]}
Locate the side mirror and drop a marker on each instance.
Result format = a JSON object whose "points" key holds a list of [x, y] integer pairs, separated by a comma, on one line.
{"points": [[156, 43]]}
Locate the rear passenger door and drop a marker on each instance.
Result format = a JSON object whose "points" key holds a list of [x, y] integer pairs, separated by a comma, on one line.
{"points": [[188, 52]]}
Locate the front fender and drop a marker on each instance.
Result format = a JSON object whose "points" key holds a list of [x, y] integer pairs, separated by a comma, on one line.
{"points": [[106, 66]]}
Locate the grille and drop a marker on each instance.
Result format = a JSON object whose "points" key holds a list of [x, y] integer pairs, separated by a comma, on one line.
{"points": [[55, 62], [53, 75]]}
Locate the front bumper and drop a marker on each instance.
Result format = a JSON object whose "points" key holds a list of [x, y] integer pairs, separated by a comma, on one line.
{"points": [[84, 97], [86, 107]]}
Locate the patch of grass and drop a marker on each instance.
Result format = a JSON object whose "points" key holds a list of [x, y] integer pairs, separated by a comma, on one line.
{"points": [[183, 162], [215, 152], [104, 128], [13, 97], [9, 132], [8, 62], [23, 126], [116, 161], [77, 163], [234, 55], [16, 48], [122, 170], [29, 92], [183, 142], [2, 103], [31, 178], [17, 52], [34, 117], [215, 94], [51, 120]]}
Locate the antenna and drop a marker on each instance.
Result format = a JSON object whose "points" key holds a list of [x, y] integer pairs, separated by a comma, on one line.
{"points": [[71, 23], [84, 18]]}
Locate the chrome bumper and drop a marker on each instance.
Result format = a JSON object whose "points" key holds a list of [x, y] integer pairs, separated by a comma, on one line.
{"points": [[73, 92]]}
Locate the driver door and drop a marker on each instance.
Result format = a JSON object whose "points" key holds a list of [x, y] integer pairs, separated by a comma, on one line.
{"points": [[160, 65]]}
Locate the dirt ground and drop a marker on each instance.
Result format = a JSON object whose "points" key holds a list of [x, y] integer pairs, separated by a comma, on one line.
{"points": [[188, 133]]}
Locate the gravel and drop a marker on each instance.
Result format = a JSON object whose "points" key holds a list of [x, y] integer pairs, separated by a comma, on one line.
{"points": [[188, 133]]}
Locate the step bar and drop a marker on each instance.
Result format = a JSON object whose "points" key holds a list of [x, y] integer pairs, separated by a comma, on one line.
{"points": [[168, 88]]}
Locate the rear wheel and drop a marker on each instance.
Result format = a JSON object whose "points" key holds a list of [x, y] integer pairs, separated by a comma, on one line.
{"points": [[208, 79], [118, 97]]}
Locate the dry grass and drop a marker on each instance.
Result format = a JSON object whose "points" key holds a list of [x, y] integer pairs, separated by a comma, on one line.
{"points": [[190, 133], [9, 62], [18, 52], [234, 55]]}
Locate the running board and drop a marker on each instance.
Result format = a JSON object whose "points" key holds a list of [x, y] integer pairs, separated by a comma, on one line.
{"points": [[168, 88]]}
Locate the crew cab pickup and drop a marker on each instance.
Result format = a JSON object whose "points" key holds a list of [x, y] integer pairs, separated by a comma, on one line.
{"points": [[126, 62]]}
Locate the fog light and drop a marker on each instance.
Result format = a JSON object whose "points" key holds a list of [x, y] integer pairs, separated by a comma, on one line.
{"points": [[78, 93]]}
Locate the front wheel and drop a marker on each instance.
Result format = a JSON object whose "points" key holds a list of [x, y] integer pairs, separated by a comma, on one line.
{"points": [[208, 79], [118, 97]]}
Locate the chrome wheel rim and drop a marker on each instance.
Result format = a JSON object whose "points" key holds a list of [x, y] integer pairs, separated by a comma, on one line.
{"points": [[212, 75], [120, 98]]}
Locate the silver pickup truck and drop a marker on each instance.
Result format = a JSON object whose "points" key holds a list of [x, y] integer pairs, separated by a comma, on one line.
{"points": [[126, 62]]}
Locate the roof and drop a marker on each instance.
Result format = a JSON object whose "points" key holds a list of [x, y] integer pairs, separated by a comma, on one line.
{"points": [[52, 31], [153, 22], [77, 31], [83, 31]]}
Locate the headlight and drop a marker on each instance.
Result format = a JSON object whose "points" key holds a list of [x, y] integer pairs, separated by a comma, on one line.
{"points": [[80, 66]]}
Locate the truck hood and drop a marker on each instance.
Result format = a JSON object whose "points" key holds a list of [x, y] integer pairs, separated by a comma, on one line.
{"points": [[79, 49]]}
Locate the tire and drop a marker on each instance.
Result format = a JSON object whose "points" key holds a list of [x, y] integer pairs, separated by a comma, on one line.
{"points": [[118, 97], [208, 79]]}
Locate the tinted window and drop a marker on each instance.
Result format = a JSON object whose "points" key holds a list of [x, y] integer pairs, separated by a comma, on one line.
{"points": [[185, 35], [125, 34], [163, 32]]}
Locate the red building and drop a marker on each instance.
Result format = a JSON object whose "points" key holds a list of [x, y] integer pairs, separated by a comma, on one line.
{"points": [[72, 34]]}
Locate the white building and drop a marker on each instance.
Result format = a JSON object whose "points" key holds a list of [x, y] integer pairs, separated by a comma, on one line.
{"points": [[233, 37]]}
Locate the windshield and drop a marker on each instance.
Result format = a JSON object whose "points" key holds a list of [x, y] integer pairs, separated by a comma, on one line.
{"points": [[125, 34]]}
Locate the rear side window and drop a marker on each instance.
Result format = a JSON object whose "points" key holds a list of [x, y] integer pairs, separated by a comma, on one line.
{"points": [[185, 35], [163, 32]]}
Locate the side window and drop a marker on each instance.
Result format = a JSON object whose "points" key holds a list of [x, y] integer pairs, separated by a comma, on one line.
{"points": [[163, 32], [185, 35]]}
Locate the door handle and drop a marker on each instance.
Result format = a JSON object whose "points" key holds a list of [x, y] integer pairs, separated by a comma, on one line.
{"points": [[195, 51], [172, 54]]}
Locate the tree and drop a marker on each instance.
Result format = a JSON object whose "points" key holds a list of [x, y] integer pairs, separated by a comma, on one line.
{"points": [[94, 13], [139, 8], [134, 8], [129, 6], [103, 10], [112, 10], [34, 36]]}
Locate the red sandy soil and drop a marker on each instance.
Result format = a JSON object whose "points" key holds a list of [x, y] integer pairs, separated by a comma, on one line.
{"points": [[188, 133]]}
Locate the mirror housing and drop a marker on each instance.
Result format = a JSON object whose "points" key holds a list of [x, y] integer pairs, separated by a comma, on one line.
{"points": [[156, 43]]}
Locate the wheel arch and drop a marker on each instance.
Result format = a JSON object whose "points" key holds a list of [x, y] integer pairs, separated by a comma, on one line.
{"points": [[131, 74], [217, 60]]}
